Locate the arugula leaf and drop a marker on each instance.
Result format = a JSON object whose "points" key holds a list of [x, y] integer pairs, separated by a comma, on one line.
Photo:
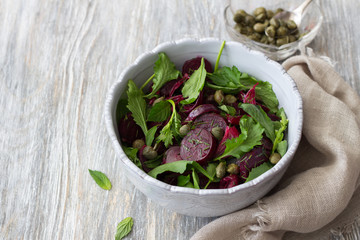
{"points": [[124, 228], [228, 109], [183, 180], [261, 117], [218, 57], [150, 135], [195, 177], [159, 112], [178, 167], [194, 85], [257, 171], [137, 105], [227, 77], [101, 179], [171, 129], [154, 162], [263, 91], [251, 135], [279, 134], [132, 154], [282, 147], [222, 88], [164, 71], [121, 109]]}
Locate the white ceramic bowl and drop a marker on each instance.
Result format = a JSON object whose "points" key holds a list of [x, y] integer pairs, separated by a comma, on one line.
{"points": [[208, 202]]}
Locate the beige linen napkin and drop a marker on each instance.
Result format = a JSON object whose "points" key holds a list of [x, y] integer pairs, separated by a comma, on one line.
{"points": [[324, 173]]}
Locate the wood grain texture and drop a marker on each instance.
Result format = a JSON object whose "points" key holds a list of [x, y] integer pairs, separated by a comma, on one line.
{"points": [[57, 62]]}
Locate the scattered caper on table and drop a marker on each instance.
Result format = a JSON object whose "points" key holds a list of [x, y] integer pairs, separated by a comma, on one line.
{"points": [[261, 26]]}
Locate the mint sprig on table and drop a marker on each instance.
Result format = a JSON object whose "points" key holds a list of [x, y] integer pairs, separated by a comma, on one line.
{"points": [[101, 179], [124, 228]]}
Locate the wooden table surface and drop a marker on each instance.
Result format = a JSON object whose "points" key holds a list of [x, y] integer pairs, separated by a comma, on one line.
{"points": [[57, 62]]}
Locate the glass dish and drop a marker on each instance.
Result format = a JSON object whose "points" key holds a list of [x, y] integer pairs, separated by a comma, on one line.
{"points": [[309, 27]]}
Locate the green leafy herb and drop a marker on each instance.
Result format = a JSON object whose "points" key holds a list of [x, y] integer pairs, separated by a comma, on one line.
{"points": [[132, 154], [182, 180], [251, 135], [195, 177], [178, 167], [227, 77], [261, 117], [160, 112], [282, 147], [279, 134], [171, 129], [228, 109], [218, 57], [153, 163], [165, 71], [121, 109], [124, 228], [101, 179], [257, 171], [194, 84], [150, 135], [222, 88], [137, 105]]}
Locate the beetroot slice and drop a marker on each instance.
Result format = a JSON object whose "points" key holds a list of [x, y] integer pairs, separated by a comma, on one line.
{"points": [[172, 155], [205, 108], [210, 120], [129, 131], [193, 64], [198, 145]]}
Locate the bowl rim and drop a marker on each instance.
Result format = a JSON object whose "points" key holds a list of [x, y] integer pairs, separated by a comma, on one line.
{"points": [[273, 48], [108, 114]]}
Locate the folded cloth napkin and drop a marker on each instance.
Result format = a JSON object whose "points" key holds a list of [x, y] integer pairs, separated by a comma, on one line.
{"points": [[325, 171]]}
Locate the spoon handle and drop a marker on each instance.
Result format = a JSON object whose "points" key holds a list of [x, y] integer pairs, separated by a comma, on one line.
{"points": [[300, 9]]}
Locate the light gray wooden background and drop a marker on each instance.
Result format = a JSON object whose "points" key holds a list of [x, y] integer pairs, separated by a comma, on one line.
{"points": [[57, 61]]}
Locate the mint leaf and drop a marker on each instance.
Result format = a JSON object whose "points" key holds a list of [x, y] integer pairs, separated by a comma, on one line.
{"points": [[257, 171], [160, 112], [279, 134], [164, 71], [137, 105], [150, 135], [101, 179], [183, 180], [124, 228], [222, 88], [195, 179], [228, 109], [227, 77], [261, 117], [131, 153], [194, 85]]}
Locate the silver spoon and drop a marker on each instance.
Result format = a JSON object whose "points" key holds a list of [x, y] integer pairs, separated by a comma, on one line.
{"points": [[295, 15]]}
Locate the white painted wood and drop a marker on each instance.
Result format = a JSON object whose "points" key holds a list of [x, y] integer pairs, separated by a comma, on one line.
{"points": [[57, 61]]}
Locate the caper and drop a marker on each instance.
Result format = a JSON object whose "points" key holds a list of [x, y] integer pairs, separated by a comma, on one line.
{"points": [[138, 143], [274, 22], [259, 11], [264, 39], [261, 17], [281, 31], [249, 20], [269, 14], [291, 25], [240, 28], [279, 10], [220, 170], [271, 40], [233, 168], [238, 17], [230, 99], [219, 96], [149, 153], [158, 100], [241, 12], [270, 31], [249, 30], [282, 41], [217, 132], [275, 158], [184, 129], [292, 38], [259, 27]]}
